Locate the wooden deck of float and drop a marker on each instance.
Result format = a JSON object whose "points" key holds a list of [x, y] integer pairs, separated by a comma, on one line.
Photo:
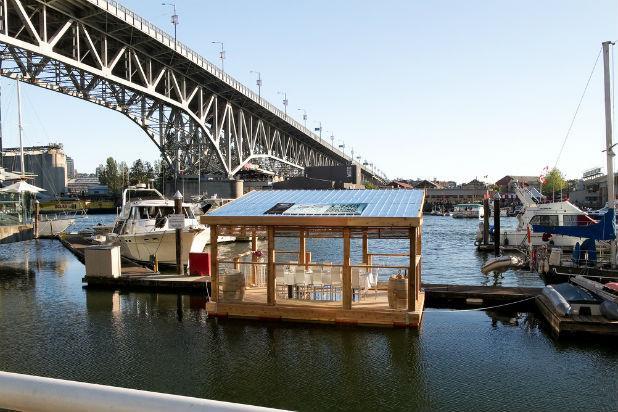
{"points": [[575, 325], [135, 276], [371, 310], [473, 295]]}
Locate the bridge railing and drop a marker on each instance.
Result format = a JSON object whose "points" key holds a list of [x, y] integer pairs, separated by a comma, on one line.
{"points": [[116, 8]]}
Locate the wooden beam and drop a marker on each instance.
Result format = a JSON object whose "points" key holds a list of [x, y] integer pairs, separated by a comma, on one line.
{"points": [[214, 264], [254, 258], [302, 247], [412, 272], [270, 274], [346, 283], [365, 248]]}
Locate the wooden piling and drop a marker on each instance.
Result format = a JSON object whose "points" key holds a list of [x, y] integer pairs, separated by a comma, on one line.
{"points": [[486, 213], [497, 224]]}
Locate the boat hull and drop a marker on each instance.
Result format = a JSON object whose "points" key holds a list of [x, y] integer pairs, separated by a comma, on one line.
{"points": [[162, 244], [54, 227]]}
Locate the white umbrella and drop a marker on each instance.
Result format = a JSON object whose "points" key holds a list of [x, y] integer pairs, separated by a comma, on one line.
{"points": [[21, 187]]}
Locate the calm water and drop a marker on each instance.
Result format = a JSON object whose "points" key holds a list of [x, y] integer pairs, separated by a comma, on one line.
{"points": [[51, 326]]}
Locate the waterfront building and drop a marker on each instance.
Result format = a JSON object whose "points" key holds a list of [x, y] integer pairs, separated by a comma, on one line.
{"points": [[70, 168], [591, 190], [46, 164], [87, 185]]}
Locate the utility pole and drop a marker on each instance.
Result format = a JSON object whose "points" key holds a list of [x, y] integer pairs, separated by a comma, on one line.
{"points": [[611, 194]]}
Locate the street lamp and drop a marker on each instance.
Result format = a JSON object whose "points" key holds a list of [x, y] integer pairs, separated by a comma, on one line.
{"points": [[258, 82], [304, 116], [285, 102], [174, 18], [332, 140], [221, 53], [342, 146], [319, 129]]}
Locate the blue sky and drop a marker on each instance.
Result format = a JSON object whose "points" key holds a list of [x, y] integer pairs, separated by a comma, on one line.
{"points": [[444, 89]]}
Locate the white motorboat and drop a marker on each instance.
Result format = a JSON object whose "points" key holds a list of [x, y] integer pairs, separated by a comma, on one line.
{"points": [[536, 213], [142, 228], [468, 210]]}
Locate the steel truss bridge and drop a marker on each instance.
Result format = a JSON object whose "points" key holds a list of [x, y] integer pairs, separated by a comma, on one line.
{"points": [[197, 115]]}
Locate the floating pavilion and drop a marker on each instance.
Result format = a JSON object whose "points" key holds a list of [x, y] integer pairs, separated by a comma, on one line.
{"points": [[356, 238]]}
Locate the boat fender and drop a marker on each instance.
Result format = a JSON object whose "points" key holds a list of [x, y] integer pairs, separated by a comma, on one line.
{"points": [[545, 266], [557, 300], [477, 243], [609, 310], [506, 241]]}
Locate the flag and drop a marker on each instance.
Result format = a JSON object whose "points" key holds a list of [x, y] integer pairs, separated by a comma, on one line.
{"points": [[317, 129]]}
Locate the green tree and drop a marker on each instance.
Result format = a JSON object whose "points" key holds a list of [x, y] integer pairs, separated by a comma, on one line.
{"points": [[137, 173], [554, 182], [109, 175]]}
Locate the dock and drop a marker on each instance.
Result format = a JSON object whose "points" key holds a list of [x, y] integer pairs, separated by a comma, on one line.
{"points": [[135, 276], [456, 296], [575, 325]]}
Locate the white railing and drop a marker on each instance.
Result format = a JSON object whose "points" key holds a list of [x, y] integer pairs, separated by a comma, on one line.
{"points": [[34, 393], [114, 7]]}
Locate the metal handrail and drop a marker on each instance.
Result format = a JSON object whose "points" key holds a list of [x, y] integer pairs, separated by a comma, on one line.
{"points": [[130, 17], [34, 393]]}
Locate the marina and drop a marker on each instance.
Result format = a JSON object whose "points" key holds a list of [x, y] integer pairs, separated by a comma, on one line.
{"points": [[50, 277], [216, 230]]}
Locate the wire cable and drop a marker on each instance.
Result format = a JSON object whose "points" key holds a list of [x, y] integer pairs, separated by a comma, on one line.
{"points": [[581, 99], [477, 309]]}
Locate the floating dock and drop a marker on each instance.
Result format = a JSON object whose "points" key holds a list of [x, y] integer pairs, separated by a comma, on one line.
{"points": [[135, 276], [575, 325], [437, 295]]}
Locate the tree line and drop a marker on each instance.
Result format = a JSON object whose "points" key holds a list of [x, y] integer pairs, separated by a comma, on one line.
{"points": [[118, 175]]}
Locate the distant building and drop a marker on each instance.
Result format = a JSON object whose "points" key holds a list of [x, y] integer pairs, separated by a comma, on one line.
{"points": [[70, 168], [398, 184], [507, 183], [87, 185], [591, 192], [426, 184], [47, 163]]}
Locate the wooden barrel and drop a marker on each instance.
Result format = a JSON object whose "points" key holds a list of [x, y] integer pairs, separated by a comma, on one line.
{"points": [[232, 287], [397, 293]]}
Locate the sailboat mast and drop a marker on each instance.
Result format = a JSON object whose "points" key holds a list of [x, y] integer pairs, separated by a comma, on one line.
{"points": [[20, 130], [611, 194]]}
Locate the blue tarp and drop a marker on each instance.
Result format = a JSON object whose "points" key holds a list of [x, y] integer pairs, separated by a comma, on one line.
{"points": [[604, 229]]}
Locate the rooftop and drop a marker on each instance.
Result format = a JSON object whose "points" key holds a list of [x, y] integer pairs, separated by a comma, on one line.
{"points": [[356, 207]]}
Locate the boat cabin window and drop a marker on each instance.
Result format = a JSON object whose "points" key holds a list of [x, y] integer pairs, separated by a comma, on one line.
{"points": [[156, 212], [545, 220]]}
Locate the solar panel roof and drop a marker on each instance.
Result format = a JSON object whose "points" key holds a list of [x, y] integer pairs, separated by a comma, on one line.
{"points": [[326, 203]]}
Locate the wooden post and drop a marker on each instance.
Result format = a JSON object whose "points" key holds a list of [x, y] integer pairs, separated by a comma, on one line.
{"points": [[497, 224], [37, 207], [486, 213], [214, 263], [365, 248], [419, 252], [346, 283], [412, 271], [307, 260], [302, 247], [178, 210], [270, 275], [254, 258]]}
